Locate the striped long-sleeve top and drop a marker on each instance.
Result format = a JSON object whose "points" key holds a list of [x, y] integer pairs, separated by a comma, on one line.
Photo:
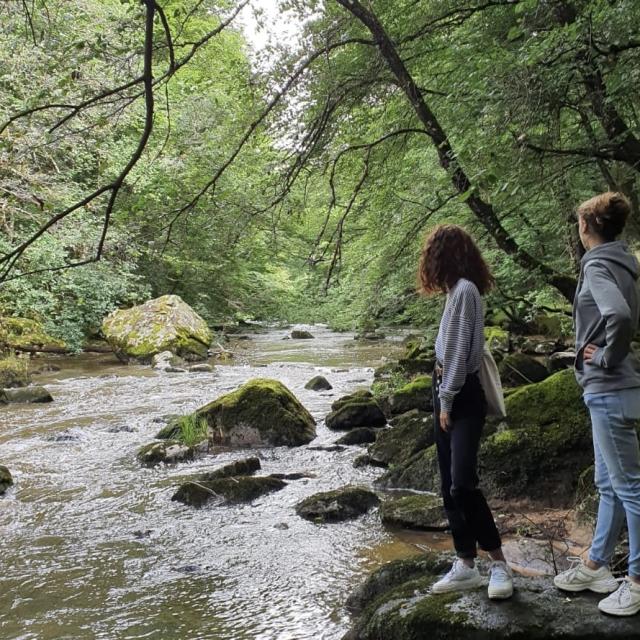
{"points": [[460, 340]]}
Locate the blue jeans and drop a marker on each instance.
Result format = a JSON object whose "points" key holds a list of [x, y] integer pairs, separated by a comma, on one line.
{"points": [[617, 473]]}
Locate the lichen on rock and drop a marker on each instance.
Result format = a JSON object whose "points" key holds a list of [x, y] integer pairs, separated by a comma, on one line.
{"points": [[24, 334]]}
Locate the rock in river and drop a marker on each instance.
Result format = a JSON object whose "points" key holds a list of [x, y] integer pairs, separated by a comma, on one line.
{"points": [[244, 467], [169, 452], [345, 503], [318, 383], [261, 412], [5, 479], [298, 334], [226, 490], [32, 394], [359, 435], [163, 324], [414, 395], [356, 410], [397, 604], [409, 433], [419, 511]]}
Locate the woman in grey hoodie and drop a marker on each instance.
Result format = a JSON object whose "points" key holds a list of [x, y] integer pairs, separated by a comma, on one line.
{"points": [[605, 316]]}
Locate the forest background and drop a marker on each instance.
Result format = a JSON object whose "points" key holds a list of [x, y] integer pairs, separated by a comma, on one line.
{"points": [[145, 150]]}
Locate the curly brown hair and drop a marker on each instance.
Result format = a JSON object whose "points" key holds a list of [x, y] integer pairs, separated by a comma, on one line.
{"points": [[449, 253]]}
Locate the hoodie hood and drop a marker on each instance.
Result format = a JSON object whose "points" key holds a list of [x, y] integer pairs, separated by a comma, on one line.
{"points": [[616, 252]]}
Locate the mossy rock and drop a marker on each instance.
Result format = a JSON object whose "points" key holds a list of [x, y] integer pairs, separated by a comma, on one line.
{"points": [[546, 447], [409, 433], [402, 608], [356, 396], [518, 368], [163, 324], [419, 472], [298, 334], [359, 435], [318, 383], [388, 371], [23, 334], [341, 504], [5, 479], [392, 575], [420, 511], [244, 467], [261, 412], [234, 490], [561, 360], [414, 395], [498, 340], [168, 452], [357, 413], [14, 372], [25, 395]]}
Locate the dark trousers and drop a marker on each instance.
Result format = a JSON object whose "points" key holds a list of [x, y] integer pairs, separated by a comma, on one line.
{"points": [[470, 518]]}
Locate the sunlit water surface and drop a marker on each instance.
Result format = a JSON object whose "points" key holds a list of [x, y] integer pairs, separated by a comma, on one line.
{"points": [[91, 545]]}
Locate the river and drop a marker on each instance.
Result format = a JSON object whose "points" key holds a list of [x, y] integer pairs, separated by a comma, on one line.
{"points": [[92, 547]]}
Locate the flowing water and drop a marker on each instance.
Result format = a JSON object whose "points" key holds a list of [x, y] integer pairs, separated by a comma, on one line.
{"points": [[92, 547]]}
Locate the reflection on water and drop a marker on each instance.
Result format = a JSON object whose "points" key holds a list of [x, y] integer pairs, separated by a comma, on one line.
{"points": [[91, 545]]}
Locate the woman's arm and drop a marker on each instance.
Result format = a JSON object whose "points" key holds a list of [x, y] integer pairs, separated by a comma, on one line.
{"points": [[457, 343]]}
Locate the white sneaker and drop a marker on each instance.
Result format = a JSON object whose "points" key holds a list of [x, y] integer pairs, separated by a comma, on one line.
{"points": [[500, 581], [579, 577], [459, 578], [623, 602]]}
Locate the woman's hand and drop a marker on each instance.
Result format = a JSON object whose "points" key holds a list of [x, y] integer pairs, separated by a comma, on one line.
{"points": [[588, 352], [445, 421]]}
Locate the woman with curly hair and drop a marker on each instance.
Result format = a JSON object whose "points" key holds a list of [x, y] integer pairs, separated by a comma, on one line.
{"points": [[451, 263]]}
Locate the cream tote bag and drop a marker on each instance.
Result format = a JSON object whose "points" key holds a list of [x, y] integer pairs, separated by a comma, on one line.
{"points": [[491, 385]]}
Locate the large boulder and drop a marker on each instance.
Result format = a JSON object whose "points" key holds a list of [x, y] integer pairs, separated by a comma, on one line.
{"points": [[356, 410], [318, 383], [546, 446], [14, 372], [5, 479], [518, 368], [419, 511], [24, 395], [234, 490], [24, 334], [261, 412], [409, 433], [414, 395], [163, 324], [397, 604], [345, 503], [419, 357]]}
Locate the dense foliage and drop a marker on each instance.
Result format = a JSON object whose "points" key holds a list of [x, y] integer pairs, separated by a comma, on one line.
{"points": [[301, 187]]}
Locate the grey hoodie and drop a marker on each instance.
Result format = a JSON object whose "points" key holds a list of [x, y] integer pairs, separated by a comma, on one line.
{"points": [[605, 313]]}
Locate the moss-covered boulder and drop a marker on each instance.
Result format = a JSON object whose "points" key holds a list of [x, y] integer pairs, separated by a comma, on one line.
{"points": [[25, 395], [419, 511], [234, 490], [244, 467], [168, 452], [409, 433], [261, 412], [318, 383], [163, 324], [419, 357], [546, 447], [299, 334], [359, 435], [419, 472], [24, 334], [5, 479], [498, 340], [518, 368], [356, 396], [14, 372], [398, 605], [414, 395], [356, 410], [345, 503]]}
